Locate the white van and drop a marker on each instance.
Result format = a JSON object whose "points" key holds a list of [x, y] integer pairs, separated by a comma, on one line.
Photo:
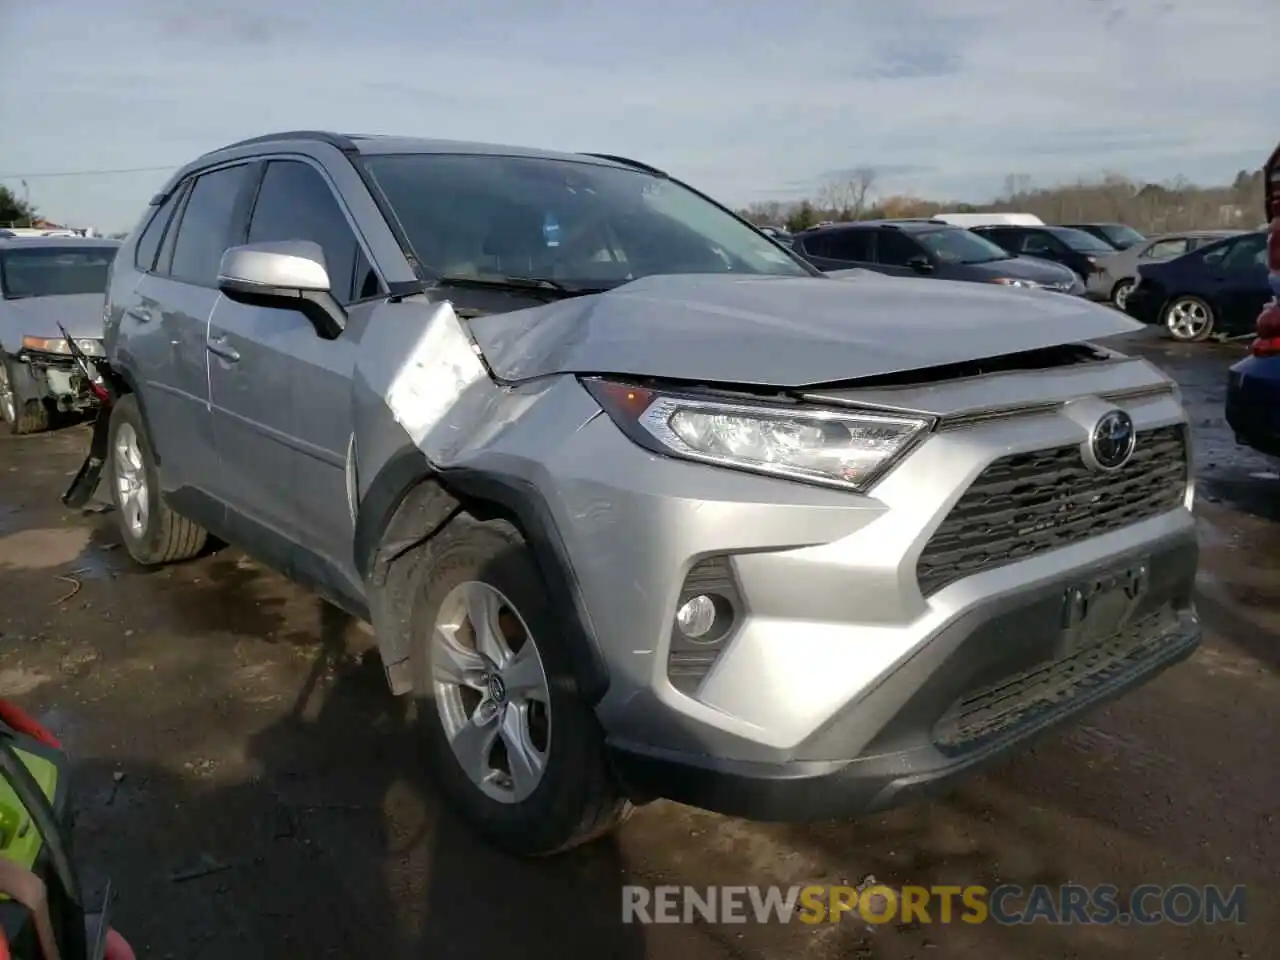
{"points": [[990, 219]]}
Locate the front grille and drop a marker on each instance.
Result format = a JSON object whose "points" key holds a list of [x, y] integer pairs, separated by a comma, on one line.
{"points": [[1030, 503], [1024, 698]]}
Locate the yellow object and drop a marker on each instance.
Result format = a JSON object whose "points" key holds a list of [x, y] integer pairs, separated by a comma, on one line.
{"points": [[20, 841]]}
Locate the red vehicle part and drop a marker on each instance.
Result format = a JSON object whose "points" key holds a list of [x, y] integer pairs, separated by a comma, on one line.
{"points": [[1267, 340]]}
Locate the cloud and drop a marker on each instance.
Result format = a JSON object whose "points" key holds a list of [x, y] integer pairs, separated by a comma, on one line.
{"points": [[750, 100]]}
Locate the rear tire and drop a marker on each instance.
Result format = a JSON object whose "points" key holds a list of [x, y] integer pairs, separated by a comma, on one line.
{"points": [[1189, 319], [574, 797], [152, 533], [21, 408]]}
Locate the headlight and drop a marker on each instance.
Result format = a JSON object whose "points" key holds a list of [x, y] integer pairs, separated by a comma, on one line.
{"points": [[851, 450], [90, 348], [1017, 282]]}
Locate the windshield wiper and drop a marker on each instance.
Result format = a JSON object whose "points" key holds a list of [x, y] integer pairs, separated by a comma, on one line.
{"points": [[537, 285]]}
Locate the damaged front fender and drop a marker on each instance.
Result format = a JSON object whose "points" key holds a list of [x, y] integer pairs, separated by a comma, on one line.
{"points": [[434, 437]]}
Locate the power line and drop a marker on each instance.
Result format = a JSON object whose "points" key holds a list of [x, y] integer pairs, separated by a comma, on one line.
{"points": [[84, 173]]}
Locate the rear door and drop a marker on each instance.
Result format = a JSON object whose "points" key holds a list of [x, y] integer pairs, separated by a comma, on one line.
{"points": [[1238, 274], [894, 250], [281, 392], [164, 326], [840, 249]]}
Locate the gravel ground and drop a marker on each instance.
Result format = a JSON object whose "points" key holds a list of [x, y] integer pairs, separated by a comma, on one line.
{"points": [[253, 791]]}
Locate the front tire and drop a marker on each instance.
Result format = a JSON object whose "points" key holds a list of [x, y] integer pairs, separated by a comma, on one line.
{"points": [[152, 533], [1189, 319], [1120, 294], [517, 752], [23, 411]]}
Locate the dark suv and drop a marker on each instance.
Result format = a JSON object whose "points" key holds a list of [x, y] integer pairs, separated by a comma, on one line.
{"points": [[927, 248], [1074, 249], [1117, 235]]}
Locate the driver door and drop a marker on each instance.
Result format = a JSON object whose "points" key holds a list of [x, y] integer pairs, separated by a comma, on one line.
{"points": [[281, 392]]}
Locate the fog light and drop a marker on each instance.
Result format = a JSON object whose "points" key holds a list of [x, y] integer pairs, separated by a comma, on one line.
{"points": [[696, 617]]}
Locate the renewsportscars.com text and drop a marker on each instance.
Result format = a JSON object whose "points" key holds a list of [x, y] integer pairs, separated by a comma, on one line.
{"points": [[1007, 904]]}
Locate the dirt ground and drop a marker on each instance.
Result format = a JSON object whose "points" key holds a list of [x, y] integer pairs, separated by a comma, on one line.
{"points": [[254, 792]]}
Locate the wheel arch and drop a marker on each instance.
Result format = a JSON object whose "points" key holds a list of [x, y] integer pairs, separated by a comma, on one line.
{"points": [[409, 502], [124, 381]]}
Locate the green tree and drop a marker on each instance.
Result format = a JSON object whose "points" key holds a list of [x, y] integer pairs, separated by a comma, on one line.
{"points": [[13, 209], [802, 217]]}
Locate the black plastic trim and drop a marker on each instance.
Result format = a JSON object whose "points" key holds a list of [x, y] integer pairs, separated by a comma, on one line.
{"points": [[404, 470], [529, 509], [129, 380], [338, 140], [628, 162]]}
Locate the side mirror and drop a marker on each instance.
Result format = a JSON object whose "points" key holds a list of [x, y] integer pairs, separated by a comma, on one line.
{"points": [[920, 265], [288, 268], [285, 274]]}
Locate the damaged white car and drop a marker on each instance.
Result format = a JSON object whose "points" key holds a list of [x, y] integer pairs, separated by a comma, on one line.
{"points": [[638, 504], [50, 288]]}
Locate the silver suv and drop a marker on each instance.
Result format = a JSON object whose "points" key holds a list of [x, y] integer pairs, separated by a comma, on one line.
{"points": [[638, 504]]}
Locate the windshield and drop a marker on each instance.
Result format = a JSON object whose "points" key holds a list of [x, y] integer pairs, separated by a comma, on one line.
{"points": [[1080, 241], [1121, 235], [579, 224], [54, 271], [960, 246]]}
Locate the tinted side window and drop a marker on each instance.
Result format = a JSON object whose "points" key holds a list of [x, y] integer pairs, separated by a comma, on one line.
{"points": [[895, 250], [1247, 253], [144, 254], [1165, 249], [1005, 239], [205, 231], [850, 245], [1038, 244], [296, 203], [816, 245]]}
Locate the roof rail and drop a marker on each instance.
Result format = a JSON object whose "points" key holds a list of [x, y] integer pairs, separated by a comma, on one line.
{"points": [[627, 162], [324, 136]]}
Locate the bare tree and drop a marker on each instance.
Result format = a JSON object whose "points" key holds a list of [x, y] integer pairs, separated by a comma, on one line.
{"points": [[1111, 197], [848, 197]]}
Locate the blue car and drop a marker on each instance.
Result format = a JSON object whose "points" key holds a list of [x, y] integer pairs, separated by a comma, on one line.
{"points": [[1253, 384], [1215, 289]]}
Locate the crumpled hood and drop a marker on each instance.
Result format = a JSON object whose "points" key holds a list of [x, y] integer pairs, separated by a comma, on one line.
{"points": [[782, 332], [80, 313]]}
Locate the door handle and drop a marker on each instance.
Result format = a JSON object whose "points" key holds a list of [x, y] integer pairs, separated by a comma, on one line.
{"points": [[220, 347], [141, 314]]}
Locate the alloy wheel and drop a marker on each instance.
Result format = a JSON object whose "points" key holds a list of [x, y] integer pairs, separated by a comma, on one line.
{"points": [[491, 691], [131, 480], [1122, 295], [1187, 319]]}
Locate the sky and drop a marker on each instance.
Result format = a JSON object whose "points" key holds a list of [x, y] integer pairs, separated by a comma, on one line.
{"points": [[749, 100]]}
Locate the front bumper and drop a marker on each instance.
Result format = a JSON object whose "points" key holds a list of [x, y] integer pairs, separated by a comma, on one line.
{"points": [[988, 683], [829, 602], [59, 380], [1253, 403], [1144, 303]]}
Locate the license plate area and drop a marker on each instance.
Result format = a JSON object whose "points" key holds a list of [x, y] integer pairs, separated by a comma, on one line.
{"points": [[1099, 607]]}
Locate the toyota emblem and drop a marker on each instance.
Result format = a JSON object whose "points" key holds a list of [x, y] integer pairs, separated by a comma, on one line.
{"points": [[1112, 441]]}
